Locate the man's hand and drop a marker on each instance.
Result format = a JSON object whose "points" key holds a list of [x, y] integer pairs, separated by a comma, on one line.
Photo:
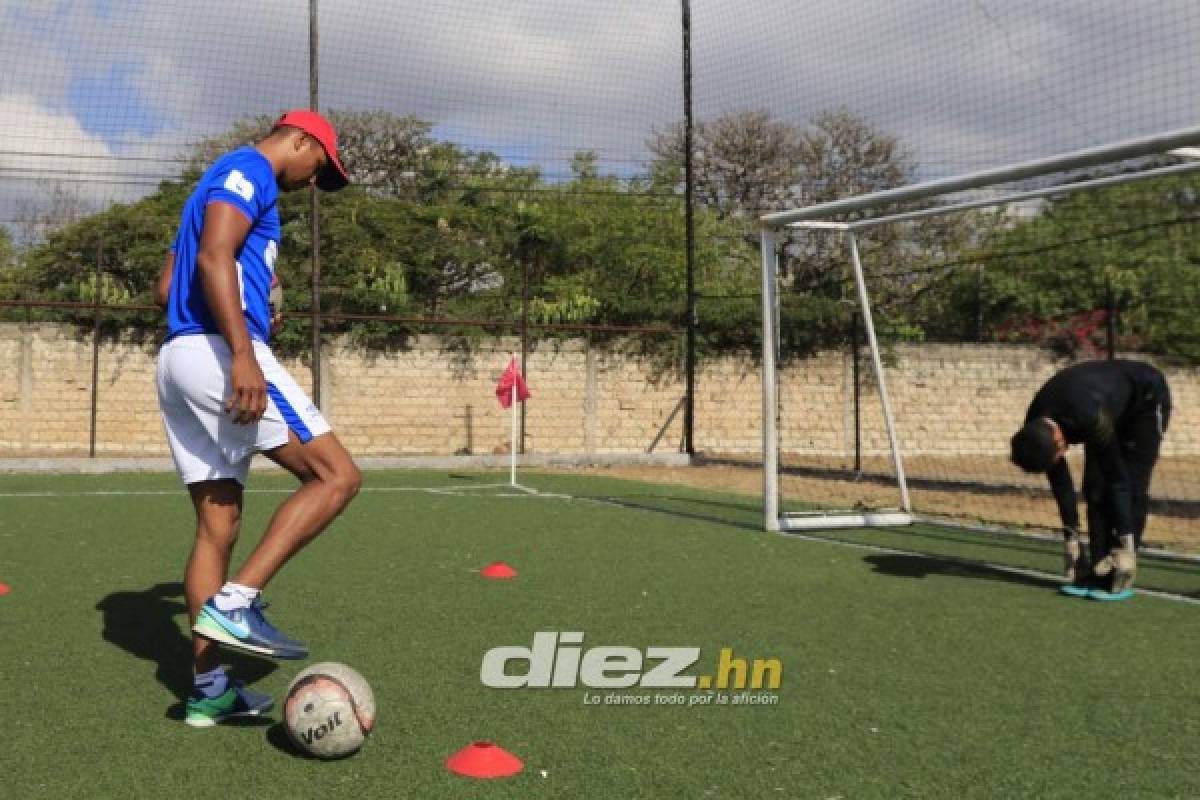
{"points": [[1121, 563], [1124, 561], [1124, 570], [1075, 563], [275, 303], [248, 401]]}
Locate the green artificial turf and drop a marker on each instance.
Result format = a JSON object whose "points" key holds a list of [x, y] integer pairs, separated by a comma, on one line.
{"points": [[903, 675]]}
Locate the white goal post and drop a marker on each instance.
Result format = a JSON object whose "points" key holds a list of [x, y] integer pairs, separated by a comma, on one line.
{"points": [[1183, 144]]}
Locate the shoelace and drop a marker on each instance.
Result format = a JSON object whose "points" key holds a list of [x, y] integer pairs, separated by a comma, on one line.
{"points": [[260, 604]]}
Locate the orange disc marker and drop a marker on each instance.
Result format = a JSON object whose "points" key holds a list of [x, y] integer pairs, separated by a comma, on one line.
{"points": [[484, 760], [498, 571]]}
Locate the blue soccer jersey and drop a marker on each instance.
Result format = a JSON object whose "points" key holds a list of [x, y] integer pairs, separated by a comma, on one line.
{"points": [[245, 180]]}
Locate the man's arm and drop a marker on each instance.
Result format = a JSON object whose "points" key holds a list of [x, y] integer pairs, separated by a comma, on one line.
{"points": [[1064, 493], [225, 230], [162, 288], [1074, 563]]}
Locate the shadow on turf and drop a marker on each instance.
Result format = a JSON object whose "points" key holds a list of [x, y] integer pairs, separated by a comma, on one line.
{"points": [[648, 502], [1008, 542], [906, 566], [921, 565], [279, 739], [143, 623]]}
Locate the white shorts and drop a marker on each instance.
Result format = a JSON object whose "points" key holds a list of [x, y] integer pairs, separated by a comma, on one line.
{"points": [[193, 387]]}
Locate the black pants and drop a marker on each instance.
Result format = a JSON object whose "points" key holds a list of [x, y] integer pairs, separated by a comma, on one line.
{"points": [[1140, 439]]}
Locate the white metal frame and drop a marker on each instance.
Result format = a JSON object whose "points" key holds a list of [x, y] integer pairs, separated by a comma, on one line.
{"points": [[1183, 143]]}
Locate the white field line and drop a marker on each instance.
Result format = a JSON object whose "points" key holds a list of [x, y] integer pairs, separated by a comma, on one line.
{"points": [[529, 492]]}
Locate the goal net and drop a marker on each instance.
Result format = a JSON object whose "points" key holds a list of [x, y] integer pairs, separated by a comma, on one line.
{"points": [[905, 332]]}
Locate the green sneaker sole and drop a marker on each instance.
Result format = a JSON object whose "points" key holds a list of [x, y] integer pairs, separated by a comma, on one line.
{"points": [[1110, 597], [211, 630], [207, 713], [204, 721]]}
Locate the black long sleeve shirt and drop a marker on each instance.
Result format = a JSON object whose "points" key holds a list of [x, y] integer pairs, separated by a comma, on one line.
{"points": [[1091, 403]]}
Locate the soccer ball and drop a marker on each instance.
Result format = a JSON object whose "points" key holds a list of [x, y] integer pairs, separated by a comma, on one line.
{"points": [[329, 710]]}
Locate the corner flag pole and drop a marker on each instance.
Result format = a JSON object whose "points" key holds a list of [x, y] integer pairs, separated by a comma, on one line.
{"points": [[512, 449]]}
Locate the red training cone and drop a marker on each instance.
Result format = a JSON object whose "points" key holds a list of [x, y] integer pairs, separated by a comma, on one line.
{"points": [[498, 571], [4, 588], [484, 760]]}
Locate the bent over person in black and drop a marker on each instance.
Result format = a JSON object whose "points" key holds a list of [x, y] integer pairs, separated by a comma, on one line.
{"points": [[1118, 410]]}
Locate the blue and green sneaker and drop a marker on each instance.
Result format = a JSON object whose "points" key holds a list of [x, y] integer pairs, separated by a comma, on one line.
{"points": [[1111, 597], [238, 701], [246, 629]]}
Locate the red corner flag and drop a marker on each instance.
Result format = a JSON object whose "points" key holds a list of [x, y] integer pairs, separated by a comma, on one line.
{"points": [[511, 377]]}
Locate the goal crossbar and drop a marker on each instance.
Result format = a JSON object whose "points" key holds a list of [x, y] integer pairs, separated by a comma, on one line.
{"points": [[1033, 194], [1078, 159], [1181, 143]]}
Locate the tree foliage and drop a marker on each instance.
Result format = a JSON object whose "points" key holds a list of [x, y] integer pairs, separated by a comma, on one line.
{"points": [[744, 163], [430, 230], [748, 163], [1050, 276], [10, 275]]}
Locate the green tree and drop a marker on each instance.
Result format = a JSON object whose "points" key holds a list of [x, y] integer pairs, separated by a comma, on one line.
{"points": [[130, 243], [431, 230], [1046, 276], [10, 272], [747, 163], [744, 163]]}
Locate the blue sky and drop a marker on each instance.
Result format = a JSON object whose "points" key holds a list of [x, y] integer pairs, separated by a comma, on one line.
{"points": [[966, 84], [93, 96]]}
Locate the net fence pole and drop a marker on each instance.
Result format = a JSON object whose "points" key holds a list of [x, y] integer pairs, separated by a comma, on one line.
{"points": [[885, 403], [689, 417], [1110, 320], [770, 389], [979, 302], [524, 356], [857, 395], [96, 312], [315, 208]]}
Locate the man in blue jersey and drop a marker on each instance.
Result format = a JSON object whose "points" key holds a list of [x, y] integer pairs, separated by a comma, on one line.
{"points": [[224, 397]]}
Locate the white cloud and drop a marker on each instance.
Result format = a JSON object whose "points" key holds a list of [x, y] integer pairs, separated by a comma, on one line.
{"points": [[42, 147], [966, 83]]}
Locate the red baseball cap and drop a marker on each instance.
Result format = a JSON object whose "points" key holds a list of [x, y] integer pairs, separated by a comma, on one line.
{"points": [[333, 176]]}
